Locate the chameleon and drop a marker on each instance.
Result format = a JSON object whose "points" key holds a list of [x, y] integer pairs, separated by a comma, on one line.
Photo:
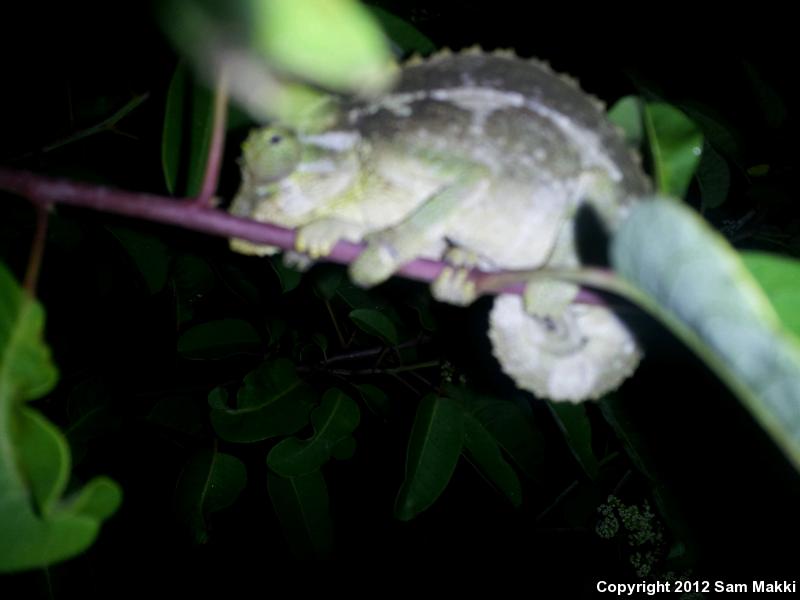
{"points": [[478, 159]]}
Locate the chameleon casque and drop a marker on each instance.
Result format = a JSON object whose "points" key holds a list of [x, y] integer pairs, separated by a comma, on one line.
{"points": [[482, 160]]}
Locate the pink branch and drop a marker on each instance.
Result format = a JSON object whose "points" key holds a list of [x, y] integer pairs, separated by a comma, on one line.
{"points": [[189, 214]]}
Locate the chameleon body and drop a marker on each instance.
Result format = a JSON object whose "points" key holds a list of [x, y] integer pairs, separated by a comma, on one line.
{"points": [[478, 159]]}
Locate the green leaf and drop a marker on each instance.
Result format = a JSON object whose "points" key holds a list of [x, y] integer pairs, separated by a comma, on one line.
{"points": [[333, 43], [321, 341], [327, 281], [192, 280], [219, 339], [692, 280], [345, 449], [301, 504], [627, 114], [714, 178], [40, 527], [422, 306], [721, 133], [92, 413], [508, 424], [376, 399], [375, 323], [210, 481], [26, 370], [433, 450], [333, 420], [148, 253], [186, 138], [356, 297], [574, 423], [272, 402], [675, 145], [404, 35], [779, 277], [287, 277], [484, 453], [44, 455], [97, 500]]}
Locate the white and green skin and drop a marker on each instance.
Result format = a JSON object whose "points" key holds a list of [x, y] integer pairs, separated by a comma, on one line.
{"points": [[480, 160]]}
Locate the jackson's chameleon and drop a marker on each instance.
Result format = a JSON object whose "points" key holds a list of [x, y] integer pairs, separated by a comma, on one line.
{"points": [[480, 159]]}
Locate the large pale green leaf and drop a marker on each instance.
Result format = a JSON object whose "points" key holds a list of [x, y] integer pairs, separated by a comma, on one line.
{"points": [[577, 429], [333, 420], [272, 401], [405, 37], [301, 504], [689, 277], [779, 277], [269, 50], [335, 43], [676, 145], [210, 481], [483, 451], [433, 449], [39, 525]]}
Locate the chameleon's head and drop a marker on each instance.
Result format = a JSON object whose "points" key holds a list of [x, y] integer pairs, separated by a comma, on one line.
{"points": [[288, 177]]}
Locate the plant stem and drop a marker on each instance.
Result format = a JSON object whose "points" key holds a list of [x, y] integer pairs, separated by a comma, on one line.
{"points": [[107, 124], [189, 214], [37, 250], [217, 145]]}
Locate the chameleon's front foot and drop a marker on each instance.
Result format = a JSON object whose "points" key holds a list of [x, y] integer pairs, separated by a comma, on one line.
{"points": [[374, 265], [318, 238]]}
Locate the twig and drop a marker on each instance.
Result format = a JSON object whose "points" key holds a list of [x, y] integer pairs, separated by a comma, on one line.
{"points": [[217, 145], [37, 250], [387, 371], [370, 352], [557, 501], [188, 214], [107, 124]]}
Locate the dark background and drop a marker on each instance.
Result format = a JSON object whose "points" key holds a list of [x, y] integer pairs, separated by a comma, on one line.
{"points": [[735, 497]]}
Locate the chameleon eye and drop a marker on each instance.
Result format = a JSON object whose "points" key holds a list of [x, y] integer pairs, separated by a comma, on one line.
{"points": [[270, 154]]}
